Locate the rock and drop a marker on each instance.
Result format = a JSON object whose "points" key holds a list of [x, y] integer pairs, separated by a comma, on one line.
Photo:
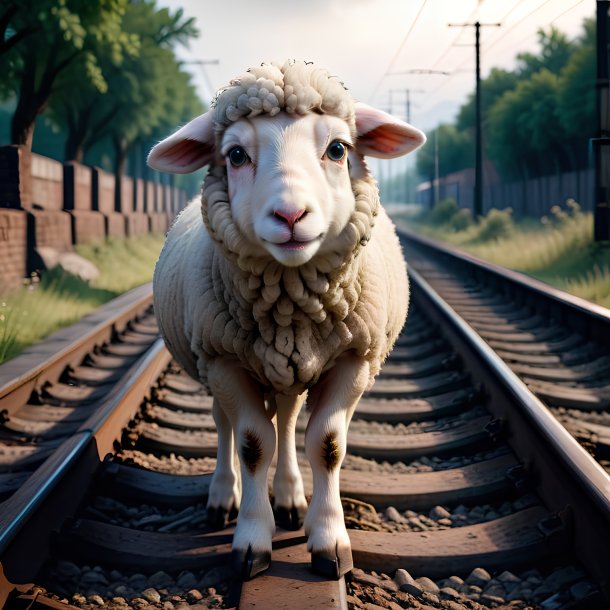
{"points": [[391, 514], [508, 577], [563, 577], [449, 593], [151, 595], [412, 589], [96, 600], [491, 600], [555, 602], [542, 592], [159, 580], [455, 582], [79, 598], [445, 522], [478, 577], [123, 591], [138, 582], [194, 596], [49, 256], [67, 569], [402, 577], [354, 602], [416, 524], [78, 266], [93, 577], [439, 512], [493, 587], [186, 580], [427, 585], [581, 590]]}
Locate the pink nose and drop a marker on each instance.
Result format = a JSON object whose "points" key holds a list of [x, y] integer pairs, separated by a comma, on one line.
{"points": [[289, 217]]}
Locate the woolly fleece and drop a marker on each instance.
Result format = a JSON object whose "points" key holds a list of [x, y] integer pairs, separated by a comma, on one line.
{"points": [[217, 294]]}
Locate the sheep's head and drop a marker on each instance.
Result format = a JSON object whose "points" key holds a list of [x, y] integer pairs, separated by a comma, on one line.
{"points": [[292, 143]]}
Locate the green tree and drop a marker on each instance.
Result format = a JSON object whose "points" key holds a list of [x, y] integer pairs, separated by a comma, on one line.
{"points": [[523, 136], [555, 52], [455, 151], [576, 105], [42, 39], [136, 87], [497, 83]]}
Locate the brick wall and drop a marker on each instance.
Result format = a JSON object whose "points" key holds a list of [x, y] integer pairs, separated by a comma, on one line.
{"points": [[13, 247], [65, 205], [47, 183]]}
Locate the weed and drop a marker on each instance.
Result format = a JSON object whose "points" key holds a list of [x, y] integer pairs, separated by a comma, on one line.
{"points": [[57, 298]]}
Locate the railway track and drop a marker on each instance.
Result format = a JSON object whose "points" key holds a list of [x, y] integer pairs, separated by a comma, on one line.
{"points": [[557, 344], [460, 489]]}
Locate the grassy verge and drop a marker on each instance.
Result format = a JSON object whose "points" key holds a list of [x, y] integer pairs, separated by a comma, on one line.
{"points": [[58, 299], [557, 249]]}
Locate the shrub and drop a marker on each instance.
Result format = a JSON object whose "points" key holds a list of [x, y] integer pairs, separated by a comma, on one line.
{"points": [[462, 220], [497, 224], [443, 211]]}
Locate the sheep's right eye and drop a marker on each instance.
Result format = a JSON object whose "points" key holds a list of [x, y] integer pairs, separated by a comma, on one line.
{"points": [[237, 156]]}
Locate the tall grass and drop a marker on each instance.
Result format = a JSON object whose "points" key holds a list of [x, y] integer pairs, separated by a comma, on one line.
{"points": [[58, 299], [558, 248]]}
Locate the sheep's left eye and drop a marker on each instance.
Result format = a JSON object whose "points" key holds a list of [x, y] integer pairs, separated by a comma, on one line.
{"points": [[336, 151], [237, 156]]}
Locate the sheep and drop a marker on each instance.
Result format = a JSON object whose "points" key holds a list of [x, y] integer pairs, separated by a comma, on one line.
{"points": [[286, 283]]}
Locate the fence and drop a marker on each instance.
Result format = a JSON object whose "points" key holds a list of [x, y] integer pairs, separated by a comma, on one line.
{"points": [[533, 197], [64, 205]]}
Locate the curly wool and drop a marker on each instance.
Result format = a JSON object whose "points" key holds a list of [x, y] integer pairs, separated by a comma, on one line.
{"points": [[296, 87], [287, 325]]}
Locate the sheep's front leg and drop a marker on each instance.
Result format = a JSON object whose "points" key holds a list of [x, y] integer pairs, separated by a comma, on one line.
{"points": [[289, 503], [224, 494], [242, 402], [333, 401]]}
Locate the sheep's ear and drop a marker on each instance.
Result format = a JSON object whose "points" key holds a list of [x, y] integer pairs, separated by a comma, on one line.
{"points": [[384, 136], [190, 148]]}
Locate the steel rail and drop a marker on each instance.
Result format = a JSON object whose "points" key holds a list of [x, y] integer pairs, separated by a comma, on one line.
{"points": [[47, 360], [578, 314], [510, 398], [50, 494]]}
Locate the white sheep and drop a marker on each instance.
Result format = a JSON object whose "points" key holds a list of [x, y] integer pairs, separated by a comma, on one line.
{"points": [[286, 283]]}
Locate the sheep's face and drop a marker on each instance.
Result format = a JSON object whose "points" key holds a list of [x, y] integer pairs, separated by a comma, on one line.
{"points": [[289, 183]]}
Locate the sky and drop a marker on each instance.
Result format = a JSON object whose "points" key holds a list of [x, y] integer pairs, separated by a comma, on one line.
{"points": [[366, 42]]}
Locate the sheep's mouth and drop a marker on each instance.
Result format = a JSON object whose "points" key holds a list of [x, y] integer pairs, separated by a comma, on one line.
{"points": [[295, 244]]}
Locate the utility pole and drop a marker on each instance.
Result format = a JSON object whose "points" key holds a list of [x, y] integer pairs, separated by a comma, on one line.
{"points": [[601, 144], [407, 93], [478, 141]]}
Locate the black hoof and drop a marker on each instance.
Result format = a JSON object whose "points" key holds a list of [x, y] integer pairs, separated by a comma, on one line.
{"points": [[332, 565], [249, 563], [289, 518], [219, 517]]}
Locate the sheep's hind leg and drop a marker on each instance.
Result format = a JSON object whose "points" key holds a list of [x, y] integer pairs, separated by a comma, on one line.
{"points": [[289, 503], [242, 402], [224, 494], [332, 402]]}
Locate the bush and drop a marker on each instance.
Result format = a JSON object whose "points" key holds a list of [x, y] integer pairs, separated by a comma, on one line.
{"points": [[443, 211], [462, 220], [497, 224]]}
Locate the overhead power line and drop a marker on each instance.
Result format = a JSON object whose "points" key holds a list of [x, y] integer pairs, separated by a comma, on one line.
{"points": [[400, 48]]}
